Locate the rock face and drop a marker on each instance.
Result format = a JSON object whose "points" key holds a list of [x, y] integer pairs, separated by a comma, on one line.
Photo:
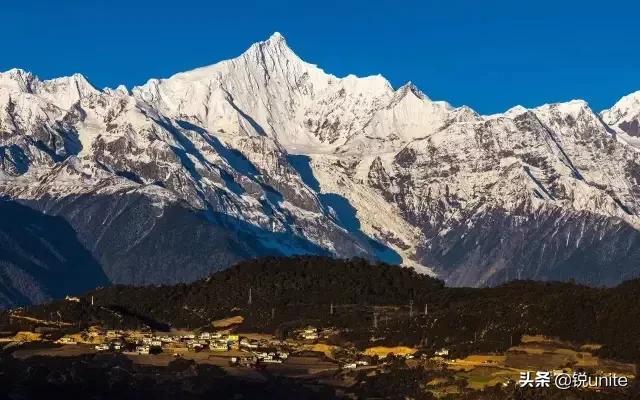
{"points": [[267, 154]]}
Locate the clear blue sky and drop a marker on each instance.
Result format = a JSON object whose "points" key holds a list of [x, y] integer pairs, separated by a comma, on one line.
{"points": [[489, 55]]}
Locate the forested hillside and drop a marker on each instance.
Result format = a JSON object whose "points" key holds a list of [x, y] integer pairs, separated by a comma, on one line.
{"points": [[279, 294]]}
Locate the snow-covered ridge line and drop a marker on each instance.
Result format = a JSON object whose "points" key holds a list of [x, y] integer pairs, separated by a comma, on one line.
{"points": [[24, 79], [302, 161]]}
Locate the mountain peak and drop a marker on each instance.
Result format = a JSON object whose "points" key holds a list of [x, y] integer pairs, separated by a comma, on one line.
{"points": [[625, 114], [63, 91], [515, 111], [270, 51], [75, 79], [627, 104], [15, 72], [572, 107], [67, 90], [121, 90], [17, 79], [276, 37], [408, 88], [276, 42]]}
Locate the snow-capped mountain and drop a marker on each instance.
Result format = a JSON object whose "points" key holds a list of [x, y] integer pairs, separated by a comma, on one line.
{"points": [[624, 116], [268, 154]]}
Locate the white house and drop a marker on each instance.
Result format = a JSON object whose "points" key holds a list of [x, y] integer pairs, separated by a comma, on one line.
{"points": [[442, 352], [219, 345], [66, 340], [310, 334]]}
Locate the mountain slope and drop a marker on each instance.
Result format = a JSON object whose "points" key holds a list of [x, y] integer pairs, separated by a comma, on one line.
{"points": [[41, 258], [268, 154]]}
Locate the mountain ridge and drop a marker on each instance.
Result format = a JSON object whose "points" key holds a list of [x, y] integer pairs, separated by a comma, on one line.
{"points": [[275, 156]]}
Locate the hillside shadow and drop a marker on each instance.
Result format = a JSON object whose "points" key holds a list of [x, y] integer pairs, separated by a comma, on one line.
{"points": [[187, 150], [16, 156], [255, 125], [233, 157], [302, 164], [535, 180], [70, 143], [40, 256], [265, 242], [241, 164], [341, 208]]}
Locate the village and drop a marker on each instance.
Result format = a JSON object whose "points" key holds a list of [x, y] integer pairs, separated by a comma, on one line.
{"points": [[241, 350], [309, 352], [321, 353], [250, 350]]}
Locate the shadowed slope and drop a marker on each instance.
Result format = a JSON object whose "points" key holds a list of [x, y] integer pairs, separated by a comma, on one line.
{"points": [[41, 258]]}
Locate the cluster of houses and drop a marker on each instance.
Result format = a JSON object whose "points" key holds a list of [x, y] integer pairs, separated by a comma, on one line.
{"points": [[443, 352], [311, 333], [143, 343], [148, 343], [66, 340], [241, 351], [259, 357], [355, 364], [253, 352]]}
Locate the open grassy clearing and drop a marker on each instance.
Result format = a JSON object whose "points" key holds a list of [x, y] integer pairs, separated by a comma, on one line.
{"points": [[383, 351], [535, 353]]}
